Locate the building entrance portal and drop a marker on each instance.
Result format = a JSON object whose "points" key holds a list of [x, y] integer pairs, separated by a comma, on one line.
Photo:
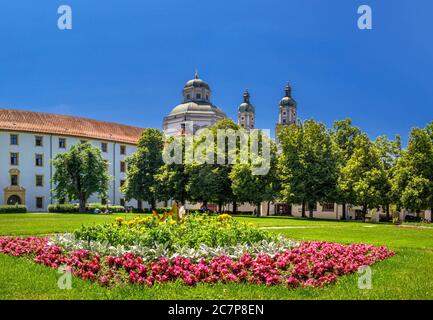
{"points": [[14, 200]]}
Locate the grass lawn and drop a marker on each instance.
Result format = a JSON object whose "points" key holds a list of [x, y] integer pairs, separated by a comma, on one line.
{"points": [[407, 275]]}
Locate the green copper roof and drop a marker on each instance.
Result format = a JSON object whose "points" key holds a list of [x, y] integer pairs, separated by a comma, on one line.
{"points": [[246, 106]]}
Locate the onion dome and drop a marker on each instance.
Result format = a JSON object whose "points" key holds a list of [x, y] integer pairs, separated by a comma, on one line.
{"points": [[246, 105], [288, 101]]}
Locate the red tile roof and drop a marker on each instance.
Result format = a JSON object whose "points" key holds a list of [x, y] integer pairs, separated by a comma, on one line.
{"points": [[47, 123]]}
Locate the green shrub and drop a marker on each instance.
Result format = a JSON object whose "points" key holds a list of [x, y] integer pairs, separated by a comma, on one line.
{"points": [[63, 208], [13, 209], [193, 231], [116, 209], [90, 208]]}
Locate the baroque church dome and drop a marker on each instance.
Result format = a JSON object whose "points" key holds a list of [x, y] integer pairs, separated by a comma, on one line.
{"points": [[196, 107]]}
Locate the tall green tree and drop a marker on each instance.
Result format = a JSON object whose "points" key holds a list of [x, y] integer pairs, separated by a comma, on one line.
{"points": [[143, 165], [412, 183], [202, 185], [250, 186], [308, 165], [171, 182], [224, 193], [79, 173], [364, 178], [389, 153], [209, 181], [343, 134]]}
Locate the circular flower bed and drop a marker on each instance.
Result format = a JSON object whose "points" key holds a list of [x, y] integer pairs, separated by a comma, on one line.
{"points": [[309, 264]]}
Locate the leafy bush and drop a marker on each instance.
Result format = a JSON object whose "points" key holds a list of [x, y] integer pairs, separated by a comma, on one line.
{"points": [[193, 231], [13, 209], [63, 208], [90, 208], [116, 209]]}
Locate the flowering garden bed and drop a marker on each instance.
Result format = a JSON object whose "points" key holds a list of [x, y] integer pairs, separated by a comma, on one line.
{"points": [[269, 260]]}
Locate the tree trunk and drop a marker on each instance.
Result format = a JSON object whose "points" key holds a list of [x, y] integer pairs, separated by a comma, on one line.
{"points": [[82, 203], [311, 210], [235, 207], [269, 208], [303, 209], [364, 212], [387, 212], [152, 204], [259, 209], [220, 207], [344, 212], [140, 205]]}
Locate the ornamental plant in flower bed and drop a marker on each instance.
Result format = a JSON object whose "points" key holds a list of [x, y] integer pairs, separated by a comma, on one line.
{"points": [[191, 232], [309, 264]]}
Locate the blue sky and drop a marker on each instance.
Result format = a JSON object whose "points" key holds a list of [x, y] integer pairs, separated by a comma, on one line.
{"points": [[127, 61]]}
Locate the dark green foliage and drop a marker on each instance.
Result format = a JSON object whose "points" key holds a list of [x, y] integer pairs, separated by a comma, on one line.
{"points": [[13, 209]]}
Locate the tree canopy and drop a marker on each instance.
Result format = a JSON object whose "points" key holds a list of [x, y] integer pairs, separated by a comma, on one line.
{"points": [[79, 173]]}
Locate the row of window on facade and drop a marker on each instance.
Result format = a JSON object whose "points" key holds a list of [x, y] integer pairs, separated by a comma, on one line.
{"points": [[39, 161], [39, 142], [14, 159], [39, 180], [40, 202]]}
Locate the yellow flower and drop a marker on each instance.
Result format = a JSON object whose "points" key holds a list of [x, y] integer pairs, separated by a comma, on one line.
{"points": [[119, 221], [224, 217]]}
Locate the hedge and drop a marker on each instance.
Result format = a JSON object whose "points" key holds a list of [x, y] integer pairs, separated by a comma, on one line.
{"points": [[63, 208], [90, 208], [13, 209]]}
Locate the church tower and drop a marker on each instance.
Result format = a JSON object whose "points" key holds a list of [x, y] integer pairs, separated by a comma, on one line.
{"points": [[287, 109], [246, 113]]}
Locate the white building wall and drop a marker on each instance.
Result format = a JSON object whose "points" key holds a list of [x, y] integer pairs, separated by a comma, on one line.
{"points": [[27, 151]]}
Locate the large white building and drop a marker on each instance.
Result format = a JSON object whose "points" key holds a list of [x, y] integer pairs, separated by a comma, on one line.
{"points": [[30, 140]]}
